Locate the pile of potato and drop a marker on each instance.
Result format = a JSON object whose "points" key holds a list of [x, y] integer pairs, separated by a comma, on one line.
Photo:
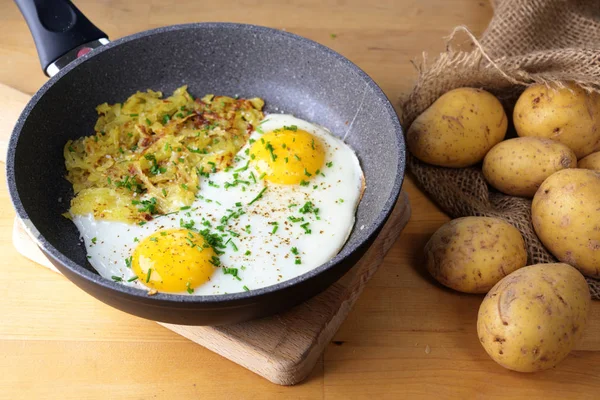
{"points": [[532, 316]]}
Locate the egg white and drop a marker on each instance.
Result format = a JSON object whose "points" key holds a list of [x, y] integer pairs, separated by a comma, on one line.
{"points": [[336, 193]]}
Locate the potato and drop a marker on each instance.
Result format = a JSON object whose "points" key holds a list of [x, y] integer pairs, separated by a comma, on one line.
{"points": [[472, 254], [519, 166], [590, 162], [458, 129], [533, 318], [569, 115], [565, 217]]}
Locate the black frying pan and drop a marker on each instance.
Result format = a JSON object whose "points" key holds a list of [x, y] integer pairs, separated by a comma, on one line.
{"points": [[291, 73]]}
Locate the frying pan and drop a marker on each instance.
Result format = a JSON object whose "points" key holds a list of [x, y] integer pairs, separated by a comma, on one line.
{"points": [[293, 75]]}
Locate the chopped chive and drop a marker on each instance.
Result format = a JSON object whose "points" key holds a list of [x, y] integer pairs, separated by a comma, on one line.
{"points": [[238, 204], [260, 195], [89, 257], [269, 147], [297, 158], [232, 233], [304, 183], [148, 276], [248, 228], [108, 180], [184, 186], [163, 233], [275, 227], [262, 175], [330, 164], [133, 115], [135, 239], [148, 121], [142, 223], [185, 208], [292, 205], [292, 128], [306, 228], [245, 167], [166, 119], [307, 173], [312, 144], [94, 240], [340, 201], [246, 288], [164, 192], [154, 239], [295, 251], [298, 261], [116, 278], [128, 261], [247, 253], [295, 219], [188, 288], [235, 248], [133, 278]]}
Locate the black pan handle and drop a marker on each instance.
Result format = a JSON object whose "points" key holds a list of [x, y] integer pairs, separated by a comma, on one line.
{"points": [[59, 30]]}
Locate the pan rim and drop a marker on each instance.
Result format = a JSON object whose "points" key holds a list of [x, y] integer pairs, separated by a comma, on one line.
{"points": [[174, 299]]}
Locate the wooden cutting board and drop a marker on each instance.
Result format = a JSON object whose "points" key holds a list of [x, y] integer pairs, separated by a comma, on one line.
{"points": [[282, 348]]}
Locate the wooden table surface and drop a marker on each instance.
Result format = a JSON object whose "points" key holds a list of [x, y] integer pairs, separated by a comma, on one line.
{"points": [[406, 338]]}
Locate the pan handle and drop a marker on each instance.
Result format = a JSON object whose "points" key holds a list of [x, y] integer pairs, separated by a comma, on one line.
{"points": [[60, 31]]}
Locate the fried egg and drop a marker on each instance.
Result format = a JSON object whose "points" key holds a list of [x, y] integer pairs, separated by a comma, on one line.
{"points": [[284, 207]]}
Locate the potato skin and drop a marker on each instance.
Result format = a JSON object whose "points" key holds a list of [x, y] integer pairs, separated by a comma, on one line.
{"points": [[565, 217], [472, 254], [519, 166], [569, 115], [533, 318], [591, 161], [458, 129]]}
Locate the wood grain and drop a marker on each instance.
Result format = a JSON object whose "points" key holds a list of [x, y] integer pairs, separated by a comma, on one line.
{"points": [[58, 342]]}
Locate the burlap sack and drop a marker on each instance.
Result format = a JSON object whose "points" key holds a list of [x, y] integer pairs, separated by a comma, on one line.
{"points": [[527, 41]]}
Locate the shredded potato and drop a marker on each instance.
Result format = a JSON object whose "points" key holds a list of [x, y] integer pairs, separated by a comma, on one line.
{"points": [[149, 154]]}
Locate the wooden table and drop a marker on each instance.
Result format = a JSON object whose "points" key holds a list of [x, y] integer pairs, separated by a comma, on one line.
{"points": [[406, 338]]}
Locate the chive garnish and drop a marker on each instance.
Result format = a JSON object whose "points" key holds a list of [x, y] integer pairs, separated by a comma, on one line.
{"points": [[148, 276], [260, 195]]}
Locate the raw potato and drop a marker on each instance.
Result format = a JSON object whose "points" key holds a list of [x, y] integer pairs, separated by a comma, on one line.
{"points": [[533, 318], [519, 166], [569, 115], [458, 129], [590, 162], [565, 215], [472, 254]]}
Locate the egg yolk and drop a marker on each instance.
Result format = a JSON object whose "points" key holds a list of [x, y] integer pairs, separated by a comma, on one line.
{"points": [[174, 260], [287, 156]]}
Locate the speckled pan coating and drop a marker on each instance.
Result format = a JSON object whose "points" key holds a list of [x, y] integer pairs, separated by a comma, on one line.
{"points": [[293, 74]]}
